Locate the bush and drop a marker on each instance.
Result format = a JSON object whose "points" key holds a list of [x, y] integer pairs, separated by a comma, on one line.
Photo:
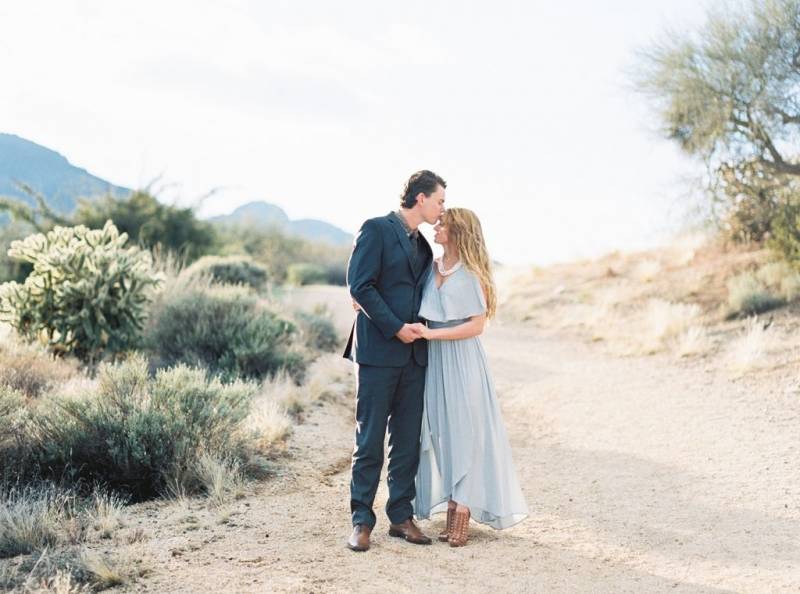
{"points": [[232, 270], [336, 274], [304, 273], [790, 286], [277, 252], [10, 269], [317, 329], [785, 233], [141, 435], [151, 224], [32, 370], [223, 328], [748, 296], [12, 411], [87, 293]]}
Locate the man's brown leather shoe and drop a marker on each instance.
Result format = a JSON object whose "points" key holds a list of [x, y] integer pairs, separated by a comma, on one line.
{"points": [[359, 539], [409, 531]]}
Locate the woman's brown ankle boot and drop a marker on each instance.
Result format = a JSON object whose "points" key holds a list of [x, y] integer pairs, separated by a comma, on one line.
{"points": [[444, 535], [460, 532]]}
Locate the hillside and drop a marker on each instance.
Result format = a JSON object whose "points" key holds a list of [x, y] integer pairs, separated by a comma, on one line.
{"points": [[262, 214], [61, 183], [48, 173]]}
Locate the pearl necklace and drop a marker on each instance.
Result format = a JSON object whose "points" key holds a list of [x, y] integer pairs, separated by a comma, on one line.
{"points": [[442, 271]]}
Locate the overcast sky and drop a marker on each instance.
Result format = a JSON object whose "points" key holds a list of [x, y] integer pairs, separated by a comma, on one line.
{"points": [[325, 108]]}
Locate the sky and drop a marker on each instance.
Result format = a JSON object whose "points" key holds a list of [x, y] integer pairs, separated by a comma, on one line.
{"points": [[325, 108]]}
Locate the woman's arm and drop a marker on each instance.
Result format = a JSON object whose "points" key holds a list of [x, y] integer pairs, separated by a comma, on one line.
{"points": [[474, 327]]}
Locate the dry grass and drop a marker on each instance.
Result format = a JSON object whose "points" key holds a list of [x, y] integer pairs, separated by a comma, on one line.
{"points": [[31, 370], [103, 571], [601, 318], [683, 250], [329, 378], [62, 582], [34, 518], [664, 321], [222, 479], [48, 572], [268, 422], [750, 351], [284, 391], [647, 271], [107, 513], [693, 341], [73, 569]]}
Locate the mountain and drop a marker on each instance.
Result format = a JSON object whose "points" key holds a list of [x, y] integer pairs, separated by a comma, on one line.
{"points": [[262, 214], [49, 173], [61, 184]]}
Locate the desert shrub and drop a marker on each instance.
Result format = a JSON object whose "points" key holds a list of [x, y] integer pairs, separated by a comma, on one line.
{"points": [[32, 370], [12, 412], [317, 329], [781, 278], [785, 233], [336, 273], [87, 293], [222, 328], [150, 223], [790, 287], [277, 251], [773, 273], [11, 269], [305, 273], [16, 459], [747, 295], [233, 270], [142, 435]]}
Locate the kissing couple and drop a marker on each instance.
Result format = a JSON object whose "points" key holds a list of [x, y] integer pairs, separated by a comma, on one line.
{"points": [[422, 372]]}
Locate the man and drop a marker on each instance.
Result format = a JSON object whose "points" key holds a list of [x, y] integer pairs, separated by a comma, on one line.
{"points": [[385, 275]]}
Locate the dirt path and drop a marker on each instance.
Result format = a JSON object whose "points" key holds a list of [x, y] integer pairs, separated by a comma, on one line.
{"points": [[642, 475]]}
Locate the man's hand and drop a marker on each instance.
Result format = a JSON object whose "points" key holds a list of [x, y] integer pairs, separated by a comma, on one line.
{"points": [[356, 306], [409, 333]]}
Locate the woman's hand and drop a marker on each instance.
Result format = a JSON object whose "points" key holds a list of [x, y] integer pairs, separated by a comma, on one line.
{"points": [[423, 330]]}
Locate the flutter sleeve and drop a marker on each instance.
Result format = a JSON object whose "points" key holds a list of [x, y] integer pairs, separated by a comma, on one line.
{"points": [[464, 298]]}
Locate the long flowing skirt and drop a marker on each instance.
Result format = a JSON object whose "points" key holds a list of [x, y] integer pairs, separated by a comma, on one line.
{"points": [[464, 449]]}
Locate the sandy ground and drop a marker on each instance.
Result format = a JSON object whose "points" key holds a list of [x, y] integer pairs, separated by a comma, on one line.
{"points": [[643, 474]]}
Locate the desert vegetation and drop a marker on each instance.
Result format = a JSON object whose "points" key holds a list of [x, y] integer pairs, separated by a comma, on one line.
{"points": [[128, 375]]}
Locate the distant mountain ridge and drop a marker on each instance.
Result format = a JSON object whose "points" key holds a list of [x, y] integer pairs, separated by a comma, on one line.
{"points": [[262, 214], [61, 183], [48, 173]]}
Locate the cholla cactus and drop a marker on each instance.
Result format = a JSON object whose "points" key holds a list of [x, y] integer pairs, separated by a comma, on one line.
{"points": [[87, 293]]}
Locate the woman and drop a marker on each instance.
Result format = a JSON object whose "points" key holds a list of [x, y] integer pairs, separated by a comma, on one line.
{"points": [[465, 458]]}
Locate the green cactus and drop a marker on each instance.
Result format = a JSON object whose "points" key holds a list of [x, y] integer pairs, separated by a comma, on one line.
{"points": [[87, 293]]}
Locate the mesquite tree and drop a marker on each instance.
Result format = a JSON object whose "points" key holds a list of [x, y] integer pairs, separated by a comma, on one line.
{"points": [[729, 94]]}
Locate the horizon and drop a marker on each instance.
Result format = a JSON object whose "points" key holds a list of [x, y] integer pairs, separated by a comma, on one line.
{"points": [[326, 112]]}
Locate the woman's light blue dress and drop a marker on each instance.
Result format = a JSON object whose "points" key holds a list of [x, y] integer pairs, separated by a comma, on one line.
{"points": [[464, 449]]}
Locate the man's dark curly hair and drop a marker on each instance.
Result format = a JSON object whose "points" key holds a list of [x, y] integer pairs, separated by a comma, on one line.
{"points": [[422, 181]]}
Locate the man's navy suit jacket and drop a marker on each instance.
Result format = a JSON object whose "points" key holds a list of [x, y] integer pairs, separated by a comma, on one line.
{"points": [[388, 288]]}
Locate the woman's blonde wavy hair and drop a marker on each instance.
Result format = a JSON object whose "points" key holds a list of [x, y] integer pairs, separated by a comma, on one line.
{"points": [[464, 233]]}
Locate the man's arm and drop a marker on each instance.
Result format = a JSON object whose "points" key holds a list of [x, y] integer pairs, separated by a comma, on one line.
{"points": [[362, 274]]}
